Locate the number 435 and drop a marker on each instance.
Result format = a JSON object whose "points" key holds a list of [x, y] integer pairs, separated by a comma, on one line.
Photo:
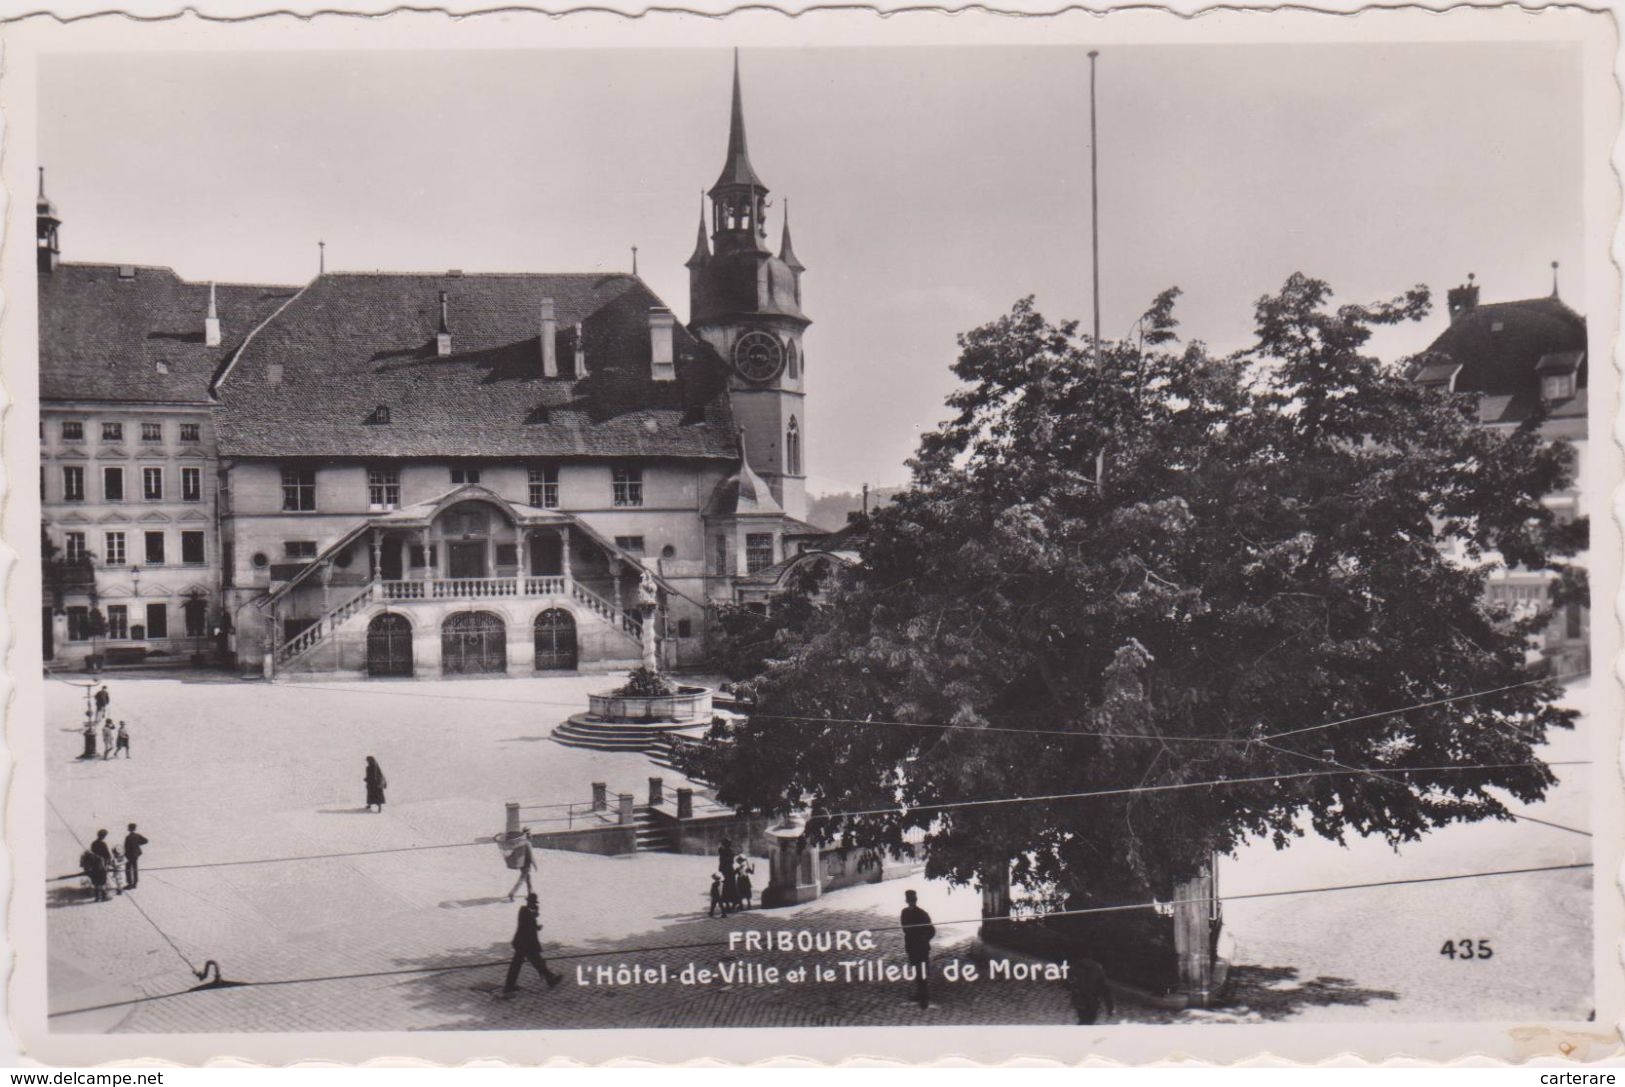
{"points": [[1466, 949]]}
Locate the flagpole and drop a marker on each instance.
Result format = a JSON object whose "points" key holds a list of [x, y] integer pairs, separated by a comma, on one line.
{"points": [[1094, 198]]}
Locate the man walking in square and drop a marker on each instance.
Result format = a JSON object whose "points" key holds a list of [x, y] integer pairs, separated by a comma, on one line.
{"points": [[133, 843], [123, 738], [102, 700], [109, 732], [917, 934], [527, 947]]}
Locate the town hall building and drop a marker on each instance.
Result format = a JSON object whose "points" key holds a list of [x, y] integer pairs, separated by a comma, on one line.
{"points": [[424, 474]]}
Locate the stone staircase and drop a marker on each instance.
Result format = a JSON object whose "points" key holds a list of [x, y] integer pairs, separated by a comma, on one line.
{"points": [[652, 737], [653, 835]]}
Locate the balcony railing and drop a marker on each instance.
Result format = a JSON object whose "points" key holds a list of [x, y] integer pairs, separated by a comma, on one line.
{"points": [[483, 588]]}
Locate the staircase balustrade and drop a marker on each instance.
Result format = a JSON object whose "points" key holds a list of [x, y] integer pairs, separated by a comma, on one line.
{"points": [[456, 589], [317, 632]]}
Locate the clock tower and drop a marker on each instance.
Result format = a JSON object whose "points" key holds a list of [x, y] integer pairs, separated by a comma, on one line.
{"points": [[745, 301]]}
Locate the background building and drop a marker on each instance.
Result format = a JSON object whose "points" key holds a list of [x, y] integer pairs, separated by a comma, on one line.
{"points": [[1518, 356], [426, 473], [127, 451]]}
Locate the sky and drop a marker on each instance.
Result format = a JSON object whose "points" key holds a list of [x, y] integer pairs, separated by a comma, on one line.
{"points": [[929, 188]]}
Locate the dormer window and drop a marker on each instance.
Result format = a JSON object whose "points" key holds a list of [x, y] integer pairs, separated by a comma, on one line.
{"points": [[1559, 374], [379, 416]]}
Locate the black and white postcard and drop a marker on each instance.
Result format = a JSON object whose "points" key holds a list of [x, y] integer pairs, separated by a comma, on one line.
{"points": [[579, 537]]}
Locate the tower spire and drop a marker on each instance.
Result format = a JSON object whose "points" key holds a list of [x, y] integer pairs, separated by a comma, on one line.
{"points": [[787, 252], [702, 246], [736, 169]]}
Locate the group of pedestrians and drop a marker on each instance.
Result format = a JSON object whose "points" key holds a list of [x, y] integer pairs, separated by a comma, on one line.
{"points": [[115, 735], [730, 884], [105, 863]]}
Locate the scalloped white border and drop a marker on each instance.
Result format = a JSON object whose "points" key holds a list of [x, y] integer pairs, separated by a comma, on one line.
{"points": [[223, 24]]}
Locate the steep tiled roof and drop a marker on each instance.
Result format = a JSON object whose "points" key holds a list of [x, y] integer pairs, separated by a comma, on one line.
{"points": [[310, 380], [138, 336], [1499, 347]]}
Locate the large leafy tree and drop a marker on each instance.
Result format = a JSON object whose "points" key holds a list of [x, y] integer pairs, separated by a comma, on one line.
{"points": [[1131, 567]]}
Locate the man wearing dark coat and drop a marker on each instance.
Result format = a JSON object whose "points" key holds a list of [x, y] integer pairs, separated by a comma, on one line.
{"points": [[132, 856], [917, 934], [527, 947], [102, 700]]}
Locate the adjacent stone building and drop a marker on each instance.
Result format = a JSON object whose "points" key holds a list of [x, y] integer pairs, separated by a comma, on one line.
{"points": [[426, 473], [1517, 356], [128, 467]]}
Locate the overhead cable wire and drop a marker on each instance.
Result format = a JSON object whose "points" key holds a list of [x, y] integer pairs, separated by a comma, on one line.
{"points": [[1173, 786], [1404, 709], [963, 729], [127, 898], [903, 809], [1333, 762], [704, 944]]}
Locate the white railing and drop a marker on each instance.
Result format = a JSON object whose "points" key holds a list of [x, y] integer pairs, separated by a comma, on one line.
{"points": [[606, 611], [460, 588], [472, 588]]}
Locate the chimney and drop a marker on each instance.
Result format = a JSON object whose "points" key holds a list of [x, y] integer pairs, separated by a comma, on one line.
{"points": [[442, 339], [581, 353], [550, 339], [211, 323], [1463, 299], [661, 365]]}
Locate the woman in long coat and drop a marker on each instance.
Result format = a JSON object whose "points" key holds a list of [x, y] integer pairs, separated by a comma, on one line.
{"points": [[375, 784]]}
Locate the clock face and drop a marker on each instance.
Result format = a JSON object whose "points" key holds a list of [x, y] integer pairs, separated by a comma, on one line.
{"points": [[758, 356]]}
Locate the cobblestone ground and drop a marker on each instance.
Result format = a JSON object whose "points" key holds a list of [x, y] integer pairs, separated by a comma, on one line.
{"points": [[417, 938]]}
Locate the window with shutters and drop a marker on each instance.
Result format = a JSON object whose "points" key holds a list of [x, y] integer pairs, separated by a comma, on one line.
{"points": [[113, 551], [73, 430], [157, 620], [152, 432], [155, 549], [118, 621], [112, 432], [191, 432], [113, 484], [74, 548], [152, 484], [73, 483], [191, 484]]}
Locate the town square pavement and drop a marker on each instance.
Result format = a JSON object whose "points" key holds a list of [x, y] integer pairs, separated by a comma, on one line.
{"points": [[400, 920]]}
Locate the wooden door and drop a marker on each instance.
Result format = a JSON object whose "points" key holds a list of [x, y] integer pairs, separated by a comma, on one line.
{"points": [[468, 559]]}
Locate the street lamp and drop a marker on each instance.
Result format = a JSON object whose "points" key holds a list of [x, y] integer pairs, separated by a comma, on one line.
{"points": [[135, 579]]}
